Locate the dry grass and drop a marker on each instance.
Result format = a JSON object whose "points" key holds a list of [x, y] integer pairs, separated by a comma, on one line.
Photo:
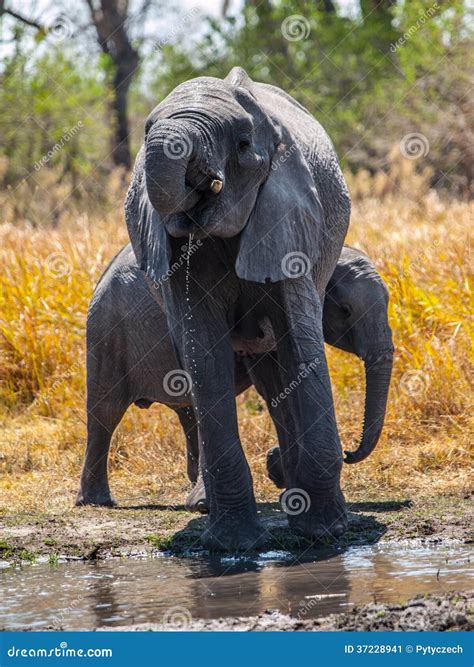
{"points": [[420, 245]]}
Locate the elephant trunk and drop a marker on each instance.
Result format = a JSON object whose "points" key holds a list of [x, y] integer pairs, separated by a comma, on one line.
{"points": [[170, 148], [378, 371]]}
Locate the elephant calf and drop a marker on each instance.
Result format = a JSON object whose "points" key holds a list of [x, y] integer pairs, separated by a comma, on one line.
{"points": [[130, 359]]}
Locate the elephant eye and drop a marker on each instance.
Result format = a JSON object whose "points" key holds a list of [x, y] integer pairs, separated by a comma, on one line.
{"points": [[244, 143], [346, 310]]}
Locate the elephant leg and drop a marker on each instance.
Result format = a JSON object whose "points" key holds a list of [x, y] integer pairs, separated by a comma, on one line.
{"points": [[196, 500], [103, 417], [204, 349], [265, 374], [312, 477], [189, 424]]}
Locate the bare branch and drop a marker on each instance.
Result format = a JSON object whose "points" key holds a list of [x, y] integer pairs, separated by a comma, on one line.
{"points": [[19, 17]]}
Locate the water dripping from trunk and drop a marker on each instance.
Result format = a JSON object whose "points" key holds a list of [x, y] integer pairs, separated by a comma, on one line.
{"points": [[190, 345]]}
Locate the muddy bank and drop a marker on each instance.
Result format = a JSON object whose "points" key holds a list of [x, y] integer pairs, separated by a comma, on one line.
{"points": [[447, 612], [96, 533]]}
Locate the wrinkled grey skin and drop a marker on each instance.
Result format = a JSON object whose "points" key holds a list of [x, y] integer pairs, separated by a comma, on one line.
{"points": [[281, 192], [128, 364], [355, 320]]}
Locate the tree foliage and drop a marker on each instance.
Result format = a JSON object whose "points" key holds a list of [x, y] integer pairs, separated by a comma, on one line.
{"points": [[56, 100], [372, 78], [392, 70]]}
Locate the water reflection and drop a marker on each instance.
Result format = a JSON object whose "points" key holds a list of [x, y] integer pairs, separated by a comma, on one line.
{"points": [[122, 592]]}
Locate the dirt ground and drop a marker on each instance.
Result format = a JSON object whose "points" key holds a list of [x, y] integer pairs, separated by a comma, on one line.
{"points": [[128, 531], [93, 533]]}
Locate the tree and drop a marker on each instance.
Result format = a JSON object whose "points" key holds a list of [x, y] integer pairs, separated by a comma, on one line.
{"points": [[109, 18], [378, 17], [19, 17]]}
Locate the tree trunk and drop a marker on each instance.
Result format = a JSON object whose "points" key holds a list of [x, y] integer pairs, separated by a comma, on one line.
{"points": [[377, 14], [327, 6], [109, 22], [120, 144]]}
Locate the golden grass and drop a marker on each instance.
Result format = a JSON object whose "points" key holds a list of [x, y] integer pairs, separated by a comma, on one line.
{"points": [[419, 243]]}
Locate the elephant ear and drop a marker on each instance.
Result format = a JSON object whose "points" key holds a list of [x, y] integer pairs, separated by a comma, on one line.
{"points": [[147, 233], [282, 236], [239, 77]]}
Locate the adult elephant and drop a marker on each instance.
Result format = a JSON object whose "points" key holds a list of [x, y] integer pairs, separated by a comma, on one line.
{"points": [[247, 171]]}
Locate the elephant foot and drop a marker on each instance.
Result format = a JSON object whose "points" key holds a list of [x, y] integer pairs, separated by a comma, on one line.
{"points": [[319, 520], [196, 500], [102, 498], [275, 468], [244, 534]]}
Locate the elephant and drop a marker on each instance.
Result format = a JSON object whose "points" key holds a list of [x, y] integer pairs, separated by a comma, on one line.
{"points": [[355, 319], [125, 366], [244, 169]]}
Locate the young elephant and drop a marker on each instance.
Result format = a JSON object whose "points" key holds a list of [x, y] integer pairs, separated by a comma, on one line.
{"points": [[355, 320], [130, 359]]}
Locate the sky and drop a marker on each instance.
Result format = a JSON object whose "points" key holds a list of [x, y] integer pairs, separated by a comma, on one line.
{"points": [[45, 11], [39, 8]]}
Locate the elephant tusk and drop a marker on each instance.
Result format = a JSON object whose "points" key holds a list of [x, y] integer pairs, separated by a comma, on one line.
{"points": [[216, 186]]}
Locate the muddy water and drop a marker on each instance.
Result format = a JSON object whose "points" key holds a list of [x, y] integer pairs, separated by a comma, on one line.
{"points": [[122, 592]]}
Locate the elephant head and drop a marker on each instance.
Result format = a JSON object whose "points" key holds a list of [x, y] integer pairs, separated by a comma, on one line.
{"points": [[208, 149], [355, 320], [214, 159]]}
